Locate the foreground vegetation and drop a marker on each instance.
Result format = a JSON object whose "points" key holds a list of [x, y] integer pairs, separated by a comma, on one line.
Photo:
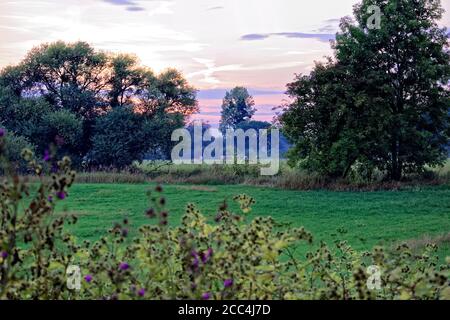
{"points": [[235, 256]]}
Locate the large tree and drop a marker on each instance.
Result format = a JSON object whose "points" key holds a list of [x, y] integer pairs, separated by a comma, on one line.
{"points": [[237, 106], [70, 75], [382, 101], [61, 88]]}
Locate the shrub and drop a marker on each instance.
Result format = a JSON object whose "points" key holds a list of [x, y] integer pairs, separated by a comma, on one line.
{"points": [[64, 129], [118, 139], [231, 258], [13, 146]]}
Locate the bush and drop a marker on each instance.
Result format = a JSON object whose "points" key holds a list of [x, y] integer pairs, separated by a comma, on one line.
{"points": [[231, 258], [118, 139], [65, 130], [13, 146]]}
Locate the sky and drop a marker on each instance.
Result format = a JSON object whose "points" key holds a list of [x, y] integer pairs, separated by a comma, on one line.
{"points": [[217, 44]]}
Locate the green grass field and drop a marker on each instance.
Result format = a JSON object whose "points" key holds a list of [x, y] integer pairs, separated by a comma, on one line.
{"points": [[368, 218]]}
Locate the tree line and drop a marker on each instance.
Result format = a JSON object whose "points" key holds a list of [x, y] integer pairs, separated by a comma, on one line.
{"points": [[100, 109], [381, 103]]}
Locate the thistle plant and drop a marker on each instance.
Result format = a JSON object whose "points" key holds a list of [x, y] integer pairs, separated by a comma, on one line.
{"points": [[229, 257]]}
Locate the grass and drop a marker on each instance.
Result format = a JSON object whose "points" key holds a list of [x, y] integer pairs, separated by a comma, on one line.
{"points": [[365, 219], [288, 178]]}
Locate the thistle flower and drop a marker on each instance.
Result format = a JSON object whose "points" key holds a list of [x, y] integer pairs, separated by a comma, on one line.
{"points": [[47, 156], [88, 278], [195, 264], [150, 213], [205, 256], [141, 292], [124, 266], [2, 132], [50, 199], [61, 195], [4, 254], [206, 296], [228, 283]]}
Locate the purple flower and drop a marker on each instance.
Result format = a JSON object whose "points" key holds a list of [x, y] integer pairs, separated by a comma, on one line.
{"points": [[124, 232], [141, 292], [50, 199], [228, 283], [61, 195], [195, 264], [2, 132], [124, 266], [206, 296], [4, 254], [47, 156], [88, 278], [207, 255]]}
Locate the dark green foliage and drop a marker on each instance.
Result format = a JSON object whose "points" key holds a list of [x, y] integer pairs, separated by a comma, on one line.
{"points": [[383, 102], [256, 125], [13, 146], [70, 76], [118, 139], [60, 90], [63, 129], [158, 132], [237, 107]]}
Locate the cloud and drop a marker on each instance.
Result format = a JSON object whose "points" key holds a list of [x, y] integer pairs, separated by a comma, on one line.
{"points": [[324, 37], [215, 8], [132, 6], [135, 9], [255, 36], [121, 2], [208, 94], [163, 8], [337, 20]]}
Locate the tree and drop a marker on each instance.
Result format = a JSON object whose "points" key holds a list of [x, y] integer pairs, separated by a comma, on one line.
{"points": [[118, 139], [76, 84], [237, 106], [158, 132], [256, 125], [382, 102], [322, 122], [12, 150], [168, 92], [63, 129], [70, 75], [127, 78]]}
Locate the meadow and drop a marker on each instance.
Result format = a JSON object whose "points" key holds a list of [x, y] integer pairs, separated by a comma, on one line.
{"points": [[364, 219]]}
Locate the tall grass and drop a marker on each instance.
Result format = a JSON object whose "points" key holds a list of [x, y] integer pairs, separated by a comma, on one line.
{"points": [[288, 178]]}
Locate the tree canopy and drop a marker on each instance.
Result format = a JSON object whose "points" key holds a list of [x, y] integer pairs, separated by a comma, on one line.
{"points": [[237, 107], [62, 93], [382, 101]]}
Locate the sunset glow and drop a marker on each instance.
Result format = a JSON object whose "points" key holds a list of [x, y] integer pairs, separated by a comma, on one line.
{"points": [[217, 44]]}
